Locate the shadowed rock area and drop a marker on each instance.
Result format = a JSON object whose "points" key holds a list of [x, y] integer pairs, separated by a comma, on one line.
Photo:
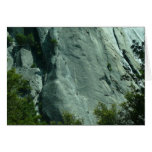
{"points": [[78, 67]]}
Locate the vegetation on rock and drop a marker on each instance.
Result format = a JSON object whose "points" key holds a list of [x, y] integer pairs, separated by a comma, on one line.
{"points": [[54, 42], [23, 40], [20, 39], [133, 110], [20, 107], [104, 115], [109, 67], [30, 39], [9, 40], [68, 119], [33, 65]]}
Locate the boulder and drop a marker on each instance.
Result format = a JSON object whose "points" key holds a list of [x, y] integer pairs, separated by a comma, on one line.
{"points": [[24, 58]]}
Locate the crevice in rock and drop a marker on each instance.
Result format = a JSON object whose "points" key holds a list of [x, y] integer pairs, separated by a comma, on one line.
{"points": [[36, 50], [116, 39], [50, 57], [129, 62], [106, 79]]}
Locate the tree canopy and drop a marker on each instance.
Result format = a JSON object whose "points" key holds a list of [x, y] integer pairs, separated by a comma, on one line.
{"points": [[20, 107]]}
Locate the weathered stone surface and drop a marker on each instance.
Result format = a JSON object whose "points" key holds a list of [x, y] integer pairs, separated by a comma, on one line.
{"points": [[85, 67], [79, 77], [14, 31], [10, 59], [24, 58], [33, 75]]}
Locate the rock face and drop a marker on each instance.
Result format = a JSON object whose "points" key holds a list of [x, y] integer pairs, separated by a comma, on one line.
{"points": [[10, 59], [83, 66], [25, 58]]}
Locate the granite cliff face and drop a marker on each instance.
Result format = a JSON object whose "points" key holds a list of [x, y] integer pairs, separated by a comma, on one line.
{"points": [[78, 67]]}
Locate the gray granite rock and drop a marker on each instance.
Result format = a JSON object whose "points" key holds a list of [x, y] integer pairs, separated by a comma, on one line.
{"points": [[79, 76], [24, 58], [34, 76], [10, 59], [85, 67]]}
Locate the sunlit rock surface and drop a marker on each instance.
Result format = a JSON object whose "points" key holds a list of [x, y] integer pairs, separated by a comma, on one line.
{"points": [[84, 67]]}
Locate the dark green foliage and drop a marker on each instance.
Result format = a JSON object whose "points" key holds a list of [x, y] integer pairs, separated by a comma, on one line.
{"points": [[38, 50], [20, 107], [16, 84], [68, 119], [134, 108], [104, 115], [54, 42], [56, 123], [30, 40], [131, 112], [136, 99], [21, 39], [139, 50], [109, 67], [9, 40], [33, 65]]}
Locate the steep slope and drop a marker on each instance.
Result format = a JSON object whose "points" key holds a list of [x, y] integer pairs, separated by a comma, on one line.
{"points": [[82, 67]]}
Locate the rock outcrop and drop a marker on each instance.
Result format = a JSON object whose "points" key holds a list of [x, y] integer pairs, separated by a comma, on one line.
{"points": [[82, 67]]}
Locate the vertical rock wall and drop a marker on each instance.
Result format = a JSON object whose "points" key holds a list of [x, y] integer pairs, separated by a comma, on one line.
{"points": [[83, 66]]}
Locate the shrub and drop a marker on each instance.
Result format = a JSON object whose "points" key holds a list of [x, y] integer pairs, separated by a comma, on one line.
{"points": [[54, 42], [104, 115], [68, 119], [133, 108], [138, 49], [109, 67], [33, 65], [132, 111], [56, 123], [21, 39], [9, 40], [30, 39], [25, 40]]}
